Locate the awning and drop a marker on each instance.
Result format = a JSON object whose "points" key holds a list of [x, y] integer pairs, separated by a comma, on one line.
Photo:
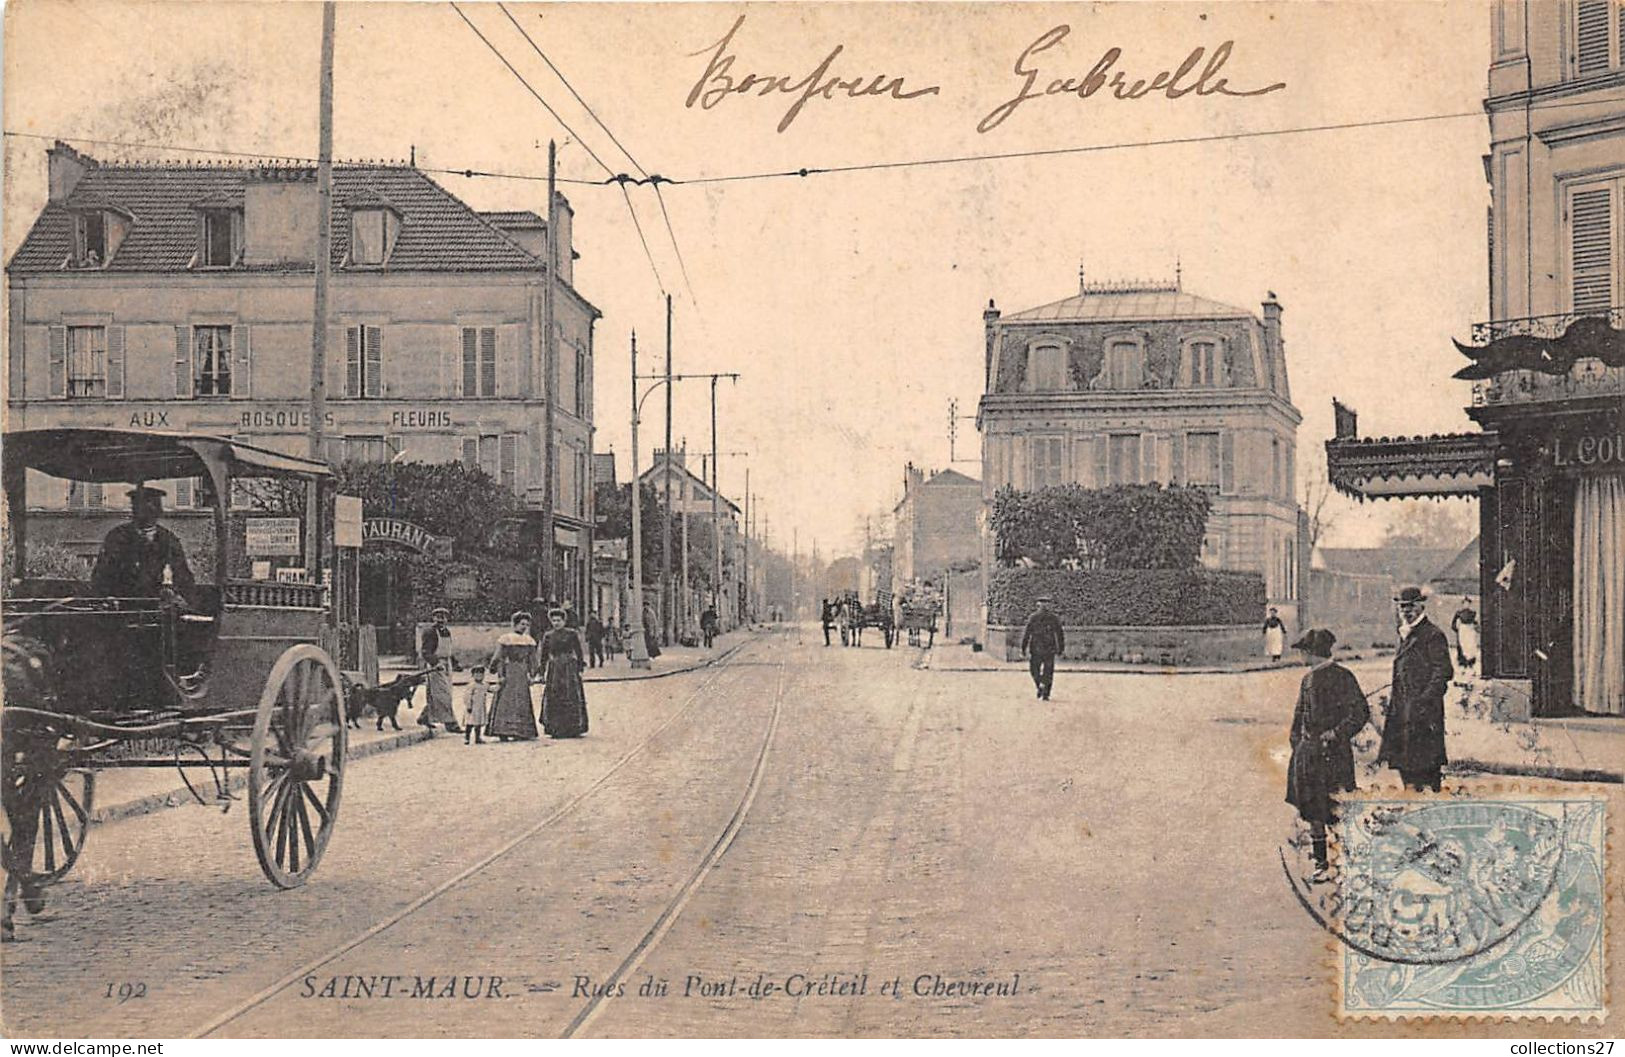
{"points": [[1444, 464]]}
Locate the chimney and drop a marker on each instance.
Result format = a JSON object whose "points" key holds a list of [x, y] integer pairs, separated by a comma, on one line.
{"points": [[565, 239], [1276, 360], [65, 167], [280, 207], [989, 317]]}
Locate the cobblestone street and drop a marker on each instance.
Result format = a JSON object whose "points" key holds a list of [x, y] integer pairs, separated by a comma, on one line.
{"points": [[895, 851]]}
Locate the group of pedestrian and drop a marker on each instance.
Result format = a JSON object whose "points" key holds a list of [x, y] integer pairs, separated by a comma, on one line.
{"points": [[499, 703], [1331, 710]]}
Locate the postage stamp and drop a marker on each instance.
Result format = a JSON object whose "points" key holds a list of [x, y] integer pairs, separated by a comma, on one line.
{"points": [[1485, 905]]}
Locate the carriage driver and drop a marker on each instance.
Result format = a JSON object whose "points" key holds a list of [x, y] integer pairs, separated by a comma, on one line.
{"points": [[141, 558]]}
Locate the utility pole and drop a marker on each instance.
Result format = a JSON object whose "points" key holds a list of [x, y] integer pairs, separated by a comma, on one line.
{"points": [[549, 375], [716, 525], [324, 268], [745, 592], [667, 588], [637, 649], [685, 497]]}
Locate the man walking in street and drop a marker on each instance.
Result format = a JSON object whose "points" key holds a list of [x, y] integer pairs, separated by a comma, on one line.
{"points": [[1042, 642], [595, 641], [1413, 735]]}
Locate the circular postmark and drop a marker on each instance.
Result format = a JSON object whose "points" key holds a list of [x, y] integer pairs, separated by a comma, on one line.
{"points": [[1432, 882]]}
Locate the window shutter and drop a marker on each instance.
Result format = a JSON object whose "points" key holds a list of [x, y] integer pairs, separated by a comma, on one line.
{"points": [[1591, 248], [468, 367], [1148, 452], [509, 461], [115, 363], [95, 495], [1176, 459], [471, 453], [1103, 471], [242, 368], [1591, 38], [375, 361], [498, 364], [1227, 462], [183, 362], [56, 381], [352, 361]]}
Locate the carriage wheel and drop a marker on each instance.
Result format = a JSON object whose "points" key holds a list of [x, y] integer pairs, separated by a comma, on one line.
{"points": [[296, 765], [47, 814]]}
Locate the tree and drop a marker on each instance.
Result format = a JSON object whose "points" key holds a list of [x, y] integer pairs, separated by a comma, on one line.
{"points": [[1431, 523], [613, 504], [1120, 527], [1316, 492]]}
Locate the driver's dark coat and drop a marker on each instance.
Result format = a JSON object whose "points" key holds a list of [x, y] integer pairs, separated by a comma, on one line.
{"points": [[131, 567]]}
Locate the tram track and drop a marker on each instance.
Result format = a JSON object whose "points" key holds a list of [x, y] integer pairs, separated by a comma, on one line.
{"points": [[540, 829]]}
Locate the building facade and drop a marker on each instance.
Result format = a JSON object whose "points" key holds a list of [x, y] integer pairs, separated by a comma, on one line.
{"points": [[936, 524], [1143, 383], [179, 297], [1547, 369], [691, 499]]}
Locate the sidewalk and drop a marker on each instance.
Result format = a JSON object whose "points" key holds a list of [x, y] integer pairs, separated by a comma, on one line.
{"points": [[958, 657], [128, 792]]}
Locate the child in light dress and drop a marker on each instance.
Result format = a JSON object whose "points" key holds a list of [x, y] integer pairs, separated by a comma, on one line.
{"points": [[474, 711]]}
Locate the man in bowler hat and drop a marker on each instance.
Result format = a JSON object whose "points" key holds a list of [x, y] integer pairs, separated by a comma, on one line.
{"points": [[1042, 642], [1413, 735], [141, 558]]}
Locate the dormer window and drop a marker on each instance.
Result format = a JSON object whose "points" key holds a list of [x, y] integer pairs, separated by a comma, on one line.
{"points": [[91, 245], [372, 234], [222, 238], [96, 236]]}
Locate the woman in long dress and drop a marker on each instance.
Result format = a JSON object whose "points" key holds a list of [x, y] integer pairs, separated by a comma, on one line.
{"points": [[1274, 636], [564, 699], [514, 662]]}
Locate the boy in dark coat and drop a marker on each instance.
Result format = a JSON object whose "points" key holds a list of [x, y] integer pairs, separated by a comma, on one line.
{"points": [[1413, 734], [1042, 642], [1331, 710]]}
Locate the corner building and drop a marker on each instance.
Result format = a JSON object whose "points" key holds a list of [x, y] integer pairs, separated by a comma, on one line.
{"points": [[1127, 383], [179, 297]]}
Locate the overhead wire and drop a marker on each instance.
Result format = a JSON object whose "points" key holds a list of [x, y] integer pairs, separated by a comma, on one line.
{"points": [[664, 213], [656, 179]]}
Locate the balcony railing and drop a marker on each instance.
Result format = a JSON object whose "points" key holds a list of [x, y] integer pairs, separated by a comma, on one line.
{"points": [[1589, 377]]}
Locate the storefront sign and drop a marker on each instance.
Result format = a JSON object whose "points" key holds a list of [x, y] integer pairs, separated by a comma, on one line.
{"points": [[420, 419], [291, 576], [1589, 451], [272, 536], [461, 586], [347, 521], [566, 537], [279, 418], [413, 537]]}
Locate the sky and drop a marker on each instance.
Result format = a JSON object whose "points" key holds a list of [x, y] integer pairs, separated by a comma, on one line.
{"points": [[850, 304]]}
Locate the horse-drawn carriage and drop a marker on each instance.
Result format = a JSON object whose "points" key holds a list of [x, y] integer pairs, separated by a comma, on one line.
{"points": [[918, 614], [225, 676], [855, 617]]}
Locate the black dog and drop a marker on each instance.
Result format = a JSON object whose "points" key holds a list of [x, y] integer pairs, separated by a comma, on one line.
{"points": [[384, 700]]}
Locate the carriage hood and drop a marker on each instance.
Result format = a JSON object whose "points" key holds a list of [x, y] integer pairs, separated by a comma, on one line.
{"points": [[111, 455]]}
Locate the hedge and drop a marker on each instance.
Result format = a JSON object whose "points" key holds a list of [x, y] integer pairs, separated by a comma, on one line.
{"points": [[1128, 597]]}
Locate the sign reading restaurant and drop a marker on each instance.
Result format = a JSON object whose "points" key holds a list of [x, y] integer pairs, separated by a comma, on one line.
{"points": [[406, 534]]}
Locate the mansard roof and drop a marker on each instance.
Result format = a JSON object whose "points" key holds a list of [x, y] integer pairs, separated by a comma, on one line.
{"points": [[1125, 302]]}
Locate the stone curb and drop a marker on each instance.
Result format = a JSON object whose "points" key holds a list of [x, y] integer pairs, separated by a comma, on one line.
{"points": [[706, 663], [238, 779], [1013, 666], [1560, 774]]}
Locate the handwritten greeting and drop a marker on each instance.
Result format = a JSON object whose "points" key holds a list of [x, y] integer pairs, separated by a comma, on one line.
{"points": [[1199, 75]]}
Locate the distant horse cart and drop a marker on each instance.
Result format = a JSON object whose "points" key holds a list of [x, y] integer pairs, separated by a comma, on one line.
{"points": [[857, 616], [919, 615], [225, 675]]}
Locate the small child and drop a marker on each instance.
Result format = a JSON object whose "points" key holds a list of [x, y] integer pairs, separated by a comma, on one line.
{"points": [[474, 707]]}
